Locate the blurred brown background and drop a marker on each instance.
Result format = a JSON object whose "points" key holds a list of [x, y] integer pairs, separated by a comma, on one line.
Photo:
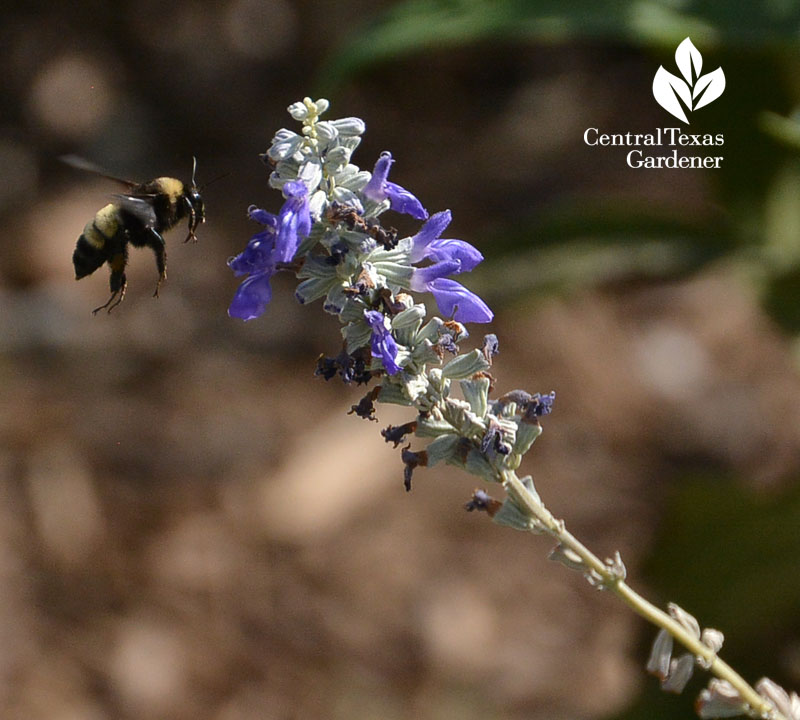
{"points": [[190, 524]]}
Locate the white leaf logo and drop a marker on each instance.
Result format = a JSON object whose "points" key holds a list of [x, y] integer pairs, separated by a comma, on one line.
{"points": [[678, 96]]}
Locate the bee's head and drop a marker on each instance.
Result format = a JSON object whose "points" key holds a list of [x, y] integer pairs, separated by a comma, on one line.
{"points": [[195, 200]]}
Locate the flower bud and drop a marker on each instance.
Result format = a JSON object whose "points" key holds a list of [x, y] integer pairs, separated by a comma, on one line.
{"points": [[713, 640], [326, 131], [335, 300], [393, 394], [660, 655], [720, 700], [409, 318], [443, 448], [680, 672], [476, 393], [464, 366], [310, 172], [336, 160], [567, 557], [316, 206], [313, 289], [688, 621], [350, 126], [425, 354], [298, 110], [526, 434], [350, 176], [786, 704], [477, 464], [284, 145], [430, 331], [345, 196]]}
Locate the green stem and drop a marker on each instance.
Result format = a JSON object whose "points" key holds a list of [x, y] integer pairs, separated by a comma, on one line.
{"points": [[760, 707]]}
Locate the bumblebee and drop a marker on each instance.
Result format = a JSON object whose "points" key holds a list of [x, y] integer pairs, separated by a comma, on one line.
{"points": [[137, 217]]}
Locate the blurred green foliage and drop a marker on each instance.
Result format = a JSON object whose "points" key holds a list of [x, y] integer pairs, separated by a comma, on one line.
{"points": [[416, 25], [753, 213]]}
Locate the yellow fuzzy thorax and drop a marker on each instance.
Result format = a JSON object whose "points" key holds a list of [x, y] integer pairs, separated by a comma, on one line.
{"points": [[172, 187]]}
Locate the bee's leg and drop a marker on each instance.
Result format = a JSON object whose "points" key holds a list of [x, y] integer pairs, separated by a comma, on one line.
{"points": [[118, 283], [104, 306], [192, 220], [156, 242]]}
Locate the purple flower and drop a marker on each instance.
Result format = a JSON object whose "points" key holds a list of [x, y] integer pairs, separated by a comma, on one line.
{"points": [[383, 344], [427, 244], [252, 297], [455, 301], [400, 199], [258, 261], [263, 217], [294, 220], [424, 276], [276, 243], [450, 257], [257, 256]]}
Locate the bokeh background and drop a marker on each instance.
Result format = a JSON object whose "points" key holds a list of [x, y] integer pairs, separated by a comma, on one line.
{"points": [[190, 524]]}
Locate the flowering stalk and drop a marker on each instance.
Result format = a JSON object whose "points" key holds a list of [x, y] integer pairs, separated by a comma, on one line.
{"points": [[610, 575], [330, 234]]}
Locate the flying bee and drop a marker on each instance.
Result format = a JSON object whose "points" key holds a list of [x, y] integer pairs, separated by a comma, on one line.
{"points": [[137, 217]]}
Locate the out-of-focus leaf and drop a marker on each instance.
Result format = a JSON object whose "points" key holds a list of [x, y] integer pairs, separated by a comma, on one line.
{"points": [[416, 25], [784, 129], [782, 299], [781, 227], [582, 264], [582, 244], [756, 534]]}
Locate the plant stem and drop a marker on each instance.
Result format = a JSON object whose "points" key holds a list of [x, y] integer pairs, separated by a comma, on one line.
{"points": [[527, 503]]}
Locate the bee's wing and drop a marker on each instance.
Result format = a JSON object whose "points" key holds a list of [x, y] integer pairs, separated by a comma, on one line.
{"points": [[88, 166], [141, 206]]}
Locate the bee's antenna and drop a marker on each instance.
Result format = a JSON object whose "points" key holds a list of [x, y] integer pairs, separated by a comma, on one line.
{"points": [[219, 177], [194, 170]]}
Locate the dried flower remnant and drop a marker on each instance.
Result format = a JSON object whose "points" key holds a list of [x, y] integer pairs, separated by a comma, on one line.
{"points": [[396, 433], [412, 460], [366, 406], [482, 501], [720, 700]]}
